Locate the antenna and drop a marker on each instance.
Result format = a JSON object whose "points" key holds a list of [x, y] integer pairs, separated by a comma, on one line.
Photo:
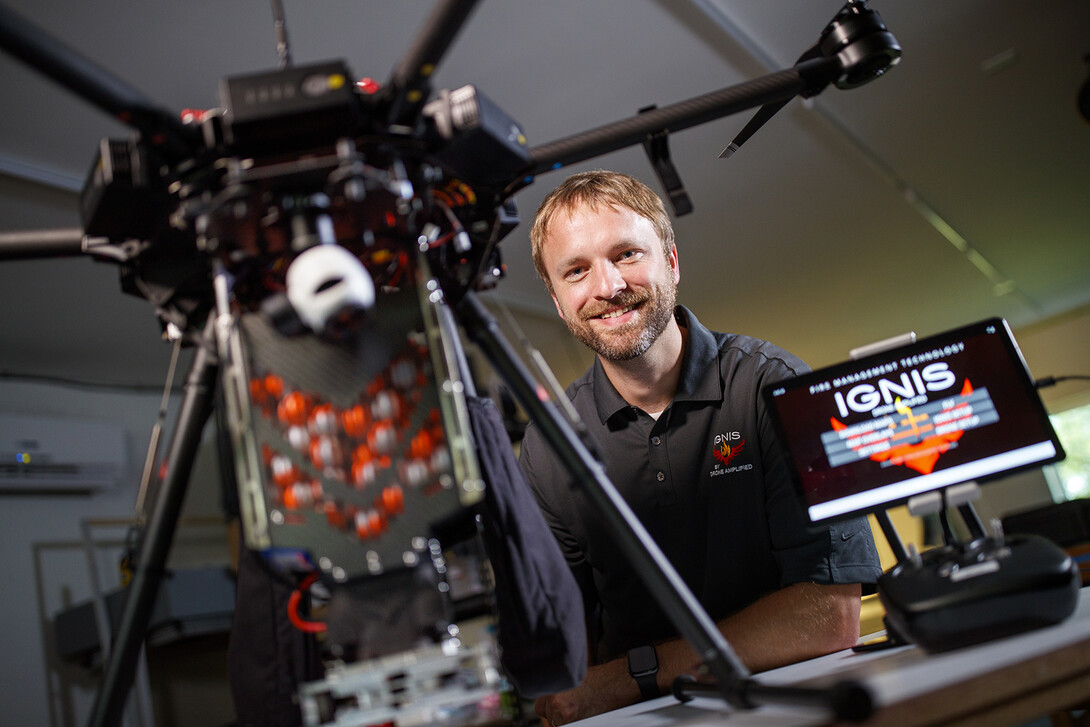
{"points": [[280, 27]]}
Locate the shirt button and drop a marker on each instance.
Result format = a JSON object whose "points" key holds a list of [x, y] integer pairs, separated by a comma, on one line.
{"points": [[660, 476], [656, 441]]}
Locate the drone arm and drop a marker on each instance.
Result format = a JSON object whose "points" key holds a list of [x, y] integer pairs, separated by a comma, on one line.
{"points": [[33, 244], [774, 87], [41, 51], [410, 82]]}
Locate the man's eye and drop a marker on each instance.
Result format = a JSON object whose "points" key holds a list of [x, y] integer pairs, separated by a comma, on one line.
{"points": [[574, 273]]}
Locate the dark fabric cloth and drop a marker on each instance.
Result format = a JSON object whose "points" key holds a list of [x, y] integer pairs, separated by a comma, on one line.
{"points": [[540, 627], [268, 659], [707, 481]]}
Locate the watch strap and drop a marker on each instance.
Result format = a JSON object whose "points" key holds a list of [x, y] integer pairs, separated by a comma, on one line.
{"points": [[643, 666]]}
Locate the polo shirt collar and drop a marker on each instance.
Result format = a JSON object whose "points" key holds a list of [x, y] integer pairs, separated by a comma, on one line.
{"points": [[700, 375]]}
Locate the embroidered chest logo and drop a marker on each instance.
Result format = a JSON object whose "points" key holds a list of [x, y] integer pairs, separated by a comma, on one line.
{"points": [[725, 448], [725, 452]]}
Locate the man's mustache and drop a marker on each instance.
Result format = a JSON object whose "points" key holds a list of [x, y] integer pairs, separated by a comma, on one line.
{"points": [[623, 300]]}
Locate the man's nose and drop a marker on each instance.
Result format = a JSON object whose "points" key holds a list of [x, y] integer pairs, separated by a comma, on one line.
{"points": [[608, 281]]}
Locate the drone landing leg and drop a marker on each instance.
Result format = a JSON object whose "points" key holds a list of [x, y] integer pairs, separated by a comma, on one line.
{"points": [[196, 408]]}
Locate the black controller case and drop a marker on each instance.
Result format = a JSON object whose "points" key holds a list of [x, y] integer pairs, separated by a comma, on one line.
{"points": [[960, 595]]}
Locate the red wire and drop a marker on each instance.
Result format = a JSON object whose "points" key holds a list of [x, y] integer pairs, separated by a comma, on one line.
{"points": [[309, 627]]}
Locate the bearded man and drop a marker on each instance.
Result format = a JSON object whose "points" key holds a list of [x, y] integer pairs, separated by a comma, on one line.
{"points": [[676, 416]]}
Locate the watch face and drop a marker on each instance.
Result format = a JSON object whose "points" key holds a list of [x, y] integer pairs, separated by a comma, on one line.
{"points": [[642, 659]]}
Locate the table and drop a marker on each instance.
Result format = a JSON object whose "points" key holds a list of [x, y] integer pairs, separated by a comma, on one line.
{"points": [[1004, 682]]}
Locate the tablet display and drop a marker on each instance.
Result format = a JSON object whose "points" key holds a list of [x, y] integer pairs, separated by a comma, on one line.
{"points": [[870, 434]]}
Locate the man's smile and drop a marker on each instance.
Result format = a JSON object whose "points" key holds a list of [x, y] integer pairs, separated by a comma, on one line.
{"points": [[620, 306], [617, 312]]}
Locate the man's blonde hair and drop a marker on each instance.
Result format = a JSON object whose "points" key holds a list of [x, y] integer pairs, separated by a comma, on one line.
{"points": [[593, 189]]}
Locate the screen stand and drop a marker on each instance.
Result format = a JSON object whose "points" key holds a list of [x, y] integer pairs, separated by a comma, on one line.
{"points": [[895, 543], [940, 501]]}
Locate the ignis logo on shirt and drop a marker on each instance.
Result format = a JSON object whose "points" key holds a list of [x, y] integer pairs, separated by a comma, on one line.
{"points": [[725, 448], [720, 439]]}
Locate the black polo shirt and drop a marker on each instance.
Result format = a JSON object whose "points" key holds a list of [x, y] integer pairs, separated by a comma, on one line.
{"points": [[707, 482]]}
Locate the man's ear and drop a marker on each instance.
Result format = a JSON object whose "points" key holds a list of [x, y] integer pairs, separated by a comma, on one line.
{"points": [[675, 265], [559, 312]]}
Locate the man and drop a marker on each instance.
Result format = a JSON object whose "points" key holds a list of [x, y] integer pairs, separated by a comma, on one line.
{"points": [[676, 417]]}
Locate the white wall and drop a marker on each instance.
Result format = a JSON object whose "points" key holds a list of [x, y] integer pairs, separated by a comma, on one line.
{"points": [[44, 568]]}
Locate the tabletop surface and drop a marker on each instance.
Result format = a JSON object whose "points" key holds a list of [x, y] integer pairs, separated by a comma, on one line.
{"points": [[1019, 676]]}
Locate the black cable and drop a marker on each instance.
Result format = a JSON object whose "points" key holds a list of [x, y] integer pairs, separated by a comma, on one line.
{"points": [[1053, 380]]}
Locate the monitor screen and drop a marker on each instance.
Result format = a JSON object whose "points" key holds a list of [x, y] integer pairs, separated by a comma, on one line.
{"points": [[870, 434]]}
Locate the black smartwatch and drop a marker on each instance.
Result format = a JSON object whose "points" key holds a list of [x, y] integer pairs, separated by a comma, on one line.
{"points": [[643, 665]]}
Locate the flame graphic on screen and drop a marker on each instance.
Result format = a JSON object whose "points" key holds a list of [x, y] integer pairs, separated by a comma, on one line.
{"points": [[918, 455]]}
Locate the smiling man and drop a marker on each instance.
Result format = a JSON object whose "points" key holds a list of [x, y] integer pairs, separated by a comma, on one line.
{"points": [[676, 418]]}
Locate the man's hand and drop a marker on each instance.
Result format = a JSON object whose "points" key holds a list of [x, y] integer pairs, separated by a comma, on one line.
{"points": [[605, 687]]}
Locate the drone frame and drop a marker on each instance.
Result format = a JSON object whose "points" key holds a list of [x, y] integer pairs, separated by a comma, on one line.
{"points": [[853, 49]]}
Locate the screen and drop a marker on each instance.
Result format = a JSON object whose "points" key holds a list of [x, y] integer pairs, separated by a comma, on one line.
{"points": [[872, 433]]}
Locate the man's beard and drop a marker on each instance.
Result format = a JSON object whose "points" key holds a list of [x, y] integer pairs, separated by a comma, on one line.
{"points": [[626, 342]]}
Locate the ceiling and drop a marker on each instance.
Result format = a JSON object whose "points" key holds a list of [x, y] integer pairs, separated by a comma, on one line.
{"points": [[952, 189]]}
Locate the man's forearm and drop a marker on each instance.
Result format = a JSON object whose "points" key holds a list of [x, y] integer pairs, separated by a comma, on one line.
{"points": [[796, 623], [799, 622]]}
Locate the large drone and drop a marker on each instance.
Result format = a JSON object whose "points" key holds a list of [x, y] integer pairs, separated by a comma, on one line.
{"points": [[293, 212]]}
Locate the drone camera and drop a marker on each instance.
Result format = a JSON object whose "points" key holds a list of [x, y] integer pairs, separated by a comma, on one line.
{"points": [[328, 287]]}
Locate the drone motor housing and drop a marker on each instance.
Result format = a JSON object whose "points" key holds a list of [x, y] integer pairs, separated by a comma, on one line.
{"points": [[121, 198], [482, 142]]}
